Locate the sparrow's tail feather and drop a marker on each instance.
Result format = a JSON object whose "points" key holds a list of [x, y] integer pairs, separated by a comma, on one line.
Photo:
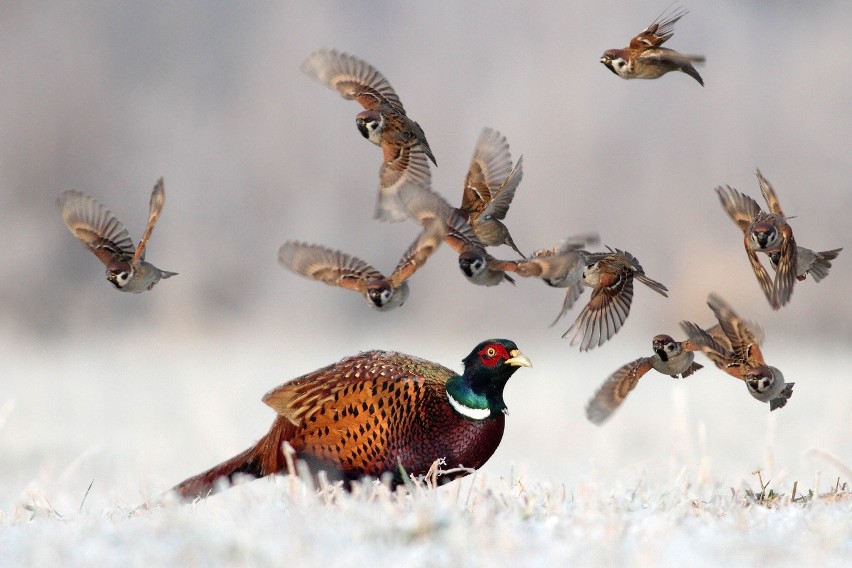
{"points": [[264, 458], [822, 264], [690, 70]]}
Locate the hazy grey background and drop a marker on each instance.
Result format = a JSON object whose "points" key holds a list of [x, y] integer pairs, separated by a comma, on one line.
{"points": [[106, 98]]}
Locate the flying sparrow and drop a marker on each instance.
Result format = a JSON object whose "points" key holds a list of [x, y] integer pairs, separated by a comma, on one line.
{"points": [[383, 122], [489, 188], [610, 275], [480, 268], [644, 58], [571, 250], [673, 358], [98, 229], [769, 233], [817, 264], [336, 268], [738, 354]]}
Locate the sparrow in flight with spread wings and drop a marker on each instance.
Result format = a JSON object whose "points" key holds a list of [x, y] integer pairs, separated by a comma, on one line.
{"points": [[98, 229], [336, 268], [738, 354], [645, 58], [489, 188], [383, 122], [673, 358], [610, 275], [769, 233]]}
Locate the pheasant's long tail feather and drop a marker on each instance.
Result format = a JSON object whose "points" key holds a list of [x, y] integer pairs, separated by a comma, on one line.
{"points": [[262, 459]]}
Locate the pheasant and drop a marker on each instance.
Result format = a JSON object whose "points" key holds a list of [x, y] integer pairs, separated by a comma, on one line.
{"points": [[379, 413]]}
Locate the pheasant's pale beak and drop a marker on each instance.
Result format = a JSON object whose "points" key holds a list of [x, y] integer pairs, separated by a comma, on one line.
{"points": [[518, 359]]}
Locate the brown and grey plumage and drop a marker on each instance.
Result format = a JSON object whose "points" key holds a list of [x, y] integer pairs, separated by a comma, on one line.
{"points": [[673, 358], [478, 267], [379, 413], [102, 233], [645, 58], [383, 122], [770, 233], [336, 268], [610, 275], [738, 353], [489, 188]]}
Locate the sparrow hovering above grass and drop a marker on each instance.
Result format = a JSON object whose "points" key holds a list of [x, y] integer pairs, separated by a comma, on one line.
{"points": [[336, 268], [673, 358], [489, 188], [769, 233], [645, 58], [98, 229], [610, 275], [383, 122], [738, 354], [377, 413]]}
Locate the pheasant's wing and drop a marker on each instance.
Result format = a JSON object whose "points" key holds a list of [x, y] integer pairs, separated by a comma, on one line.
{"points": [[615, 389], [95, 226], [326, 265], [352, 78], [158, 199]]}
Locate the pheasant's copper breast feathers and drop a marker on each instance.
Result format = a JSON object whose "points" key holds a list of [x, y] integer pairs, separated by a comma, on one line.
{"points": [[333, 267], [353, 78], [615, 389], [96, 227]]}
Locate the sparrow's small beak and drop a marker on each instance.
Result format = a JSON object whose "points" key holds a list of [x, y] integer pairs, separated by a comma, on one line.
{"points": [[518, 359]]}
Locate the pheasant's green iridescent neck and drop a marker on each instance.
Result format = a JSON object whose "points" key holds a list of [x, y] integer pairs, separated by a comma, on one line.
{"points": [[471, 404]]}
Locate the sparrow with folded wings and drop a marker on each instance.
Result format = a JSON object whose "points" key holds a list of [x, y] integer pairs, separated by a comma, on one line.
{"points": [[739, 354], [383, 122], [336, 268], [480, 268], [489, 188], [610, 275], [644, 58], [769, 233], [673, 358], [98, 229]]}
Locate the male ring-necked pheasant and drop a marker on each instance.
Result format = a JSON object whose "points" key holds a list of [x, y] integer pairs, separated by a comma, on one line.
{"points": [[381, 412]]}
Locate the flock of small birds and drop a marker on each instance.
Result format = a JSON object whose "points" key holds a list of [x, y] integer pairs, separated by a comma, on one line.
{"points": [[479, 222]]}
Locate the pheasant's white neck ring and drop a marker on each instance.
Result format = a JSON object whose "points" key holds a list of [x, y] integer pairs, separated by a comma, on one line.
{"points": [[467, 411]]}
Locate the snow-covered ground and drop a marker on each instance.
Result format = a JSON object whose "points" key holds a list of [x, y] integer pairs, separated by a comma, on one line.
{"points": [[91, 428]]}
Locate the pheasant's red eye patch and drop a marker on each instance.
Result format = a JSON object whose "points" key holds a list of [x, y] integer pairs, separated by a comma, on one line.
{"points": [[492, 354]]}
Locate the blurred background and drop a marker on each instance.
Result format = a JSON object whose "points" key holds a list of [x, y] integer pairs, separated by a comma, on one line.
{"points": [[153, 387]]}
